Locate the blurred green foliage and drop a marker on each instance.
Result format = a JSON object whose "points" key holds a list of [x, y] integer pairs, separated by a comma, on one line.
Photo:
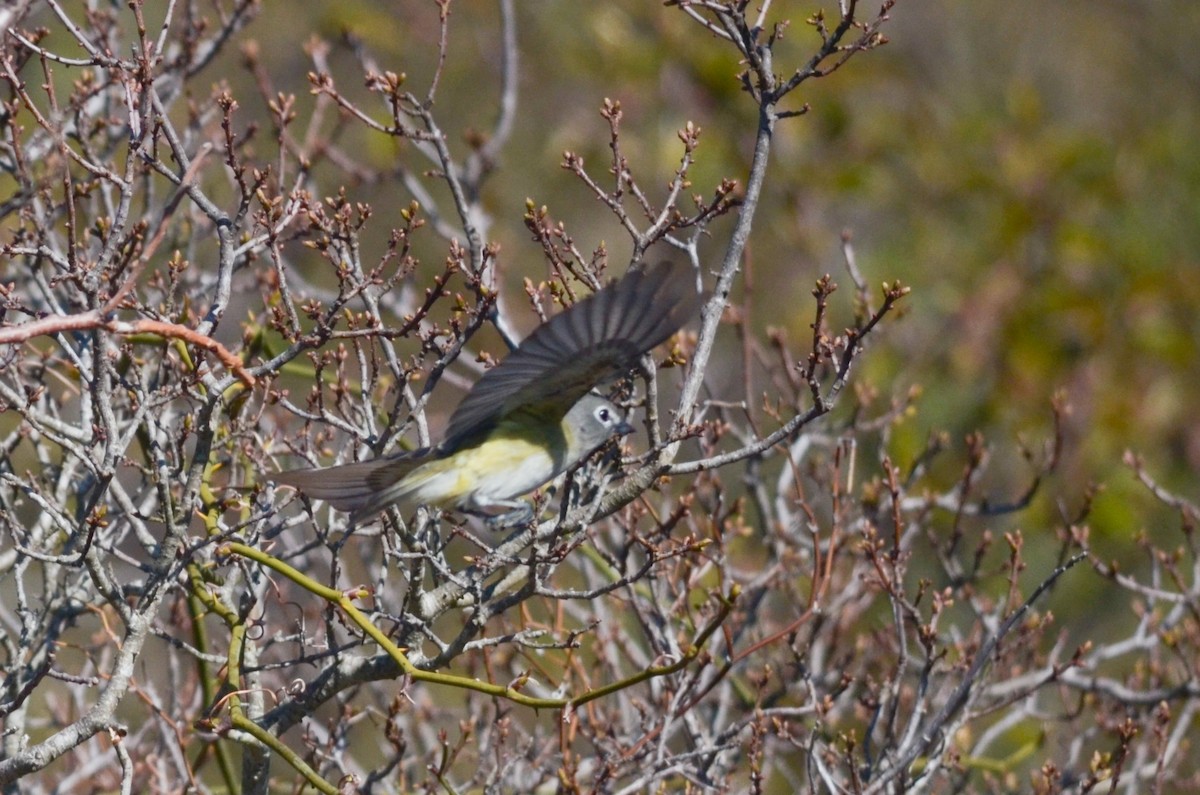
{"points": [[1031, 170]]}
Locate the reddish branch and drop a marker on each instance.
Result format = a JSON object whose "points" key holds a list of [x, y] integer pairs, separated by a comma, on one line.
{"points": [[85, 321]]}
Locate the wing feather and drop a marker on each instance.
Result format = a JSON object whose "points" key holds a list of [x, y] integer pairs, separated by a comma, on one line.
{"points": [[596, 339]]}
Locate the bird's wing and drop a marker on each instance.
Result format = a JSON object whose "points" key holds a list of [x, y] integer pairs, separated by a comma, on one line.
{"points": [[597, 339]]}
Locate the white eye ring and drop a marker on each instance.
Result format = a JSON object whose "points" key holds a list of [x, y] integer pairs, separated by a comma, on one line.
{"points": [[603, 415]]}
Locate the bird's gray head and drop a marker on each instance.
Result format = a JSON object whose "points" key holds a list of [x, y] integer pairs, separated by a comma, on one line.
{"points": [[592, 422]]}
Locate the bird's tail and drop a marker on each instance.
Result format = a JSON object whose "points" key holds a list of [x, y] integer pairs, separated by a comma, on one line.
{"points": [[364, 488]]}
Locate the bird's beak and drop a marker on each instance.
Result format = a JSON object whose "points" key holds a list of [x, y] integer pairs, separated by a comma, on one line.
{"points": [[623, 428]]}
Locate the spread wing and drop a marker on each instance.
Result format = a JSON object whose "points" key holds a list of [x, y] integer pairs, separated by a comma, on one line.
{"points": [[597, 339]]}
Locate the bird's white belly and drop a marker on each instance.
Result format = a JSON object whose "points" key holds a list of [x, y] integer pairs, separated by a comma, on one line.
{"points": [[497, 470]]}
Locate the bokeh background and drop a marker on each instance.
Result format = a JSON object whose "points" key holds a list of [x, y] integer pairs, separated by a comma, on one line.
{"points": [[1031, 169]]}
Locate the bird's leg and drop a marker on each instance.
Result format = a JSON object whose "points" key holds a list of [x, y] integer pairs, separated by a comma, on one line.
{"points": [[520, 512]]}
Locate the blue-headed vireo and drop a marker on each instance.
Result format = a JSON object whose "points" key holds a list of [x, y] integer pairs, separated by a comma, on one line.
{"points": [[530, 418]]}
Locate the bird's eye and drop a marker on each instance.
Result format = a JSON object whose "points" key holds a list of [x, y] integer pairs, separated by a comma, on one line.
{"points": [[603, 415]]}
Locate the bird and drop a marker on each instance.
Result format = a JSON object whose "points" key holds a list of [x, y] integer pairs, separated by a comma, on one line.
{"points": [[530, 418]]}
